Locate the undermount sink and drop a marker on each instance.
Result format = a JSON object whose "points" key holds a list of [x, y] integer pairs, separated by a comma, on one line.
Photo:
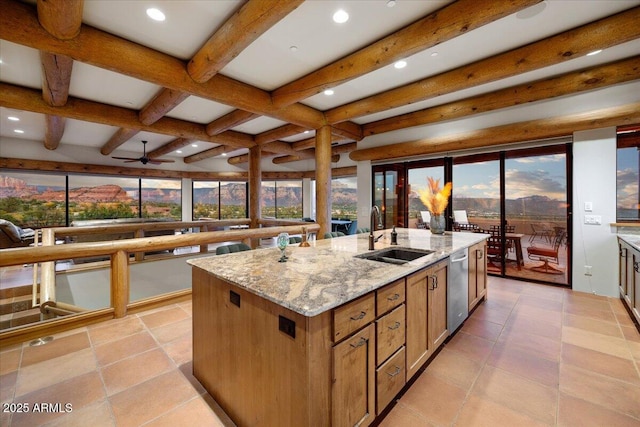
{"points": [[395, 255]]}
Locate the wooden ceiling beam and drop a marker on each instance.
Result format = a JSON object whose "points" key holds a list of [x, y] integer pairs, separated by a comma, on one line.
{"points": [[54, 129], [121, 136], [164, 101], [61, 18], [31, 100], [557, 49], [445, 24], [19, 24], [310, 153], [170, 147], [56, 78], [212, 152], [229, 121], [252, 20], [506, 134], [279, 133], [591, 78]]}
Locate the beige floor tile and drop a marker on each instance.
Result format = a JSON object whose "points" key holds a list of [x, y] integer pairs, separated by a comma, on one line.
{"points": [[577, 412], [601, 363], [135, 370], [454, 368], [115, 329], [480, 412], [193, 413], [47, 373], [172, 331], [536, 345], [592, 325], [594, 341], [470, 346], [151, 399], [538, 301], [543, 371], [624, 319], [403, 416], [494, 315], [630, 333], [56, 348], [544, 291], [604, 391], [121, 349], [550, 316], [164, 317], [482, 328], [605, 315], [525, 323], [634, 347], [78, 392], [187, 372], [96, 415], [518, 394], [442, 404], [8, 386], [180, 350], [10, 361]]}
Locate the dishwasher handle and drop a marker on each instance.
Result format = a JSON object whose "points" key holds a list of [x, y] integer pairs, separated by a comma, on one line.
{"points": [[460, 259]]}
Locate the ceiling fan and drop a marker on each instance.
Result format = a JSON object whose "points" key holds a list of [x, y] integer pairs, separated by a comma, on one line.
{"points": [[144, 159]]}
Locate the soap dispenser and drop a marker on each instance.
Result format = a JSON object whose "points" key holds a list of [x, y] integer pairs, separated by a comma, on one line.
{"points": [[394, 236]]}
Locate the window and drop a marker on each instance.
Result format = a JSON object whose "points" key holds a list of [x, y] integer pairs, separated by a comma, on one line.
{"points": [[101, 197], [282, 199], [417, 174], [233, 200], [33, 200], [161, 198], [344, 198], [628, 177], [206, 199]]}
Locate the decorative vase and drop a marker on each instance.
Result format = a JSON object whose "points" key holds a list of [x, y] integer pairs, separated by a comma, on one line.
{"points": [[437, 224]]}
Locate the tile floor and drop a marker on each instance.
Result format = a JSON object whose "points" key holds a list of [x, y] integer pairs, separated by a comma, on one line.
{"points": [[531, 355]]}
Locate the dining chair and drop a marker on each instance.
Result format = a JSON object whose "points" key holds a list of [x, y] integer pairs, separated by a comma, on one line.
{"points": [[548, 256]]}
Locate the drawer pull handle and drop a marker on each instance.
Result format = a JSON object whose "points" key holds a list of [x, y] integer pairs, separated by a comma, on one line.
{"points": [[394, 297], [360, 343], [394, 326], [359, 316], [394, 373]]}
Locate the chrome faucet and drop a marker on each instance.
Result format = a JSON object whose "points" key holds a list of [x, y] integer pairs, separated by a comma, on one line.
{"points": [[372, 240]]}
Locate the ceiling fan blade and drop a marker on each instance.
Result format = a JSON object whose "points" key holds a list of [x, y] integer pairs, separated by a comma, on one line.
{"points": [[158, 161], [132, 160], [124, 158]]}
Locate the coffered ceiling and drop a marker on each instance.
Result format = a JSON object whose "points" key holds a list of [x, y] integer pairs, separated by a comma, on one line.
{"points": [[216, 77]]}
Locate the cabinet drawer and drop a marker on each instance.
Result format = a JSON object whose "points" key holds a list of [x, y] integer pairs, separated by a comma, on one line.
{"points": [[353, 316], [390, 378], [389, 297], [390, 333]]}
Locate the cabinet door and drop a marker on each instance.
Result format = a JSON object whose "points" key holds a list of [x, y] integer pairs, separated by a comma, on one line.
{"points": [[623, 253], [629, 289], [417, 333], [437, 307], [353, 390], [634, 282], [477, 273]]}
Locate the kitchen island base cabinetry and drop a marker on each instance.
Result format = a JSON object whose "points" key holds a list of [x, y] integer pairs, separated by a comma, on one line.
{"points": [[477, 274], [629, 278]]}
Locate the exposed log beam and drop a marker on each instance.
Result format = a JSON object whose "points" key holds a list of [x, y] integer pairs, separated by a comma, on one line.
{"points": [[176, 144], [506, 134], [164, 101], [311, 142], [562, 47], [19, 24], [61, 18], [229, 121], [212, 152], [253, 19], [54, 129], [56, 78], [335, 158], [31, 100], [121, 136], [574, 82], [279, 133], [440, 26], [348, 130]]}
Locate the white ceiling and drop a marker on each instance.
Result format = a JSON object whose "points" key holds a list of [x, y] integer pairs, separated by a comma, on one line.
{"points": [[270, 62]]}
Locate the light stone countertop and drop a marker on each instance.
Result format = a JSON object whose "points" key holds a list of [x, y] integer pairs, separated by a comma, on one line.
{"points": [[326, 274], [632, 239]]}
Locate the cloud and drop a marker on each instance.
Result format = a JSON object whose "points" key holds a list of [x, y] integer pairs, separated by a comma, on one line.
{"points": [[533, 183]]}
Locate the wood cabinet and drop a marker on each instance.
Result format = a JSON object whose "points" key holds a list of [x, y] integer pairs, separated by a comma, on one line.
{"points": [[629, 277], [426, 303], [477, 273]]}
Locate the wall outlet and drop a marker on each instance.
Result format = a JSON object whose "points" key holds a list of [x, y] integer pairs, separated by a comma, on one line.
{"points": [[587, 270], [593, 219]]}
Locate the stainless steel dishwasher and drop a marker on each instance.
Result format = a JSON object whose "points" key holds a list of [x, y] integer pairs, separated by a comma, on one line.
{"points": [[458, 289]]}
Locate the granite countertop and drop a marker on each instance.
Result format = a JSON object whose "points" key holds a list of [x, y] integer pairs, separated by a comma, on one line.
{"points": [[632, 239], [326, 274]]}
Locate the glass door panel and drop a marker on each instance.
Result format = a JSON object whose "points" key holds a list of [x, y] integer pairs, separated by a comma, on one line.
{"points": [[535, 227], [417, 182], [388, 194]]}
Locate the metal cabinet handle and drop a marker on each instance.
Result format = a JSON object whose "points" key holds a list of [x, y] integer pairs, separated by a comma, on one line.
{"points": [[360, 343], [479, 253], [623, 252], [394, 373], [635, 266], [394, 297], [359, 316], [434, 282], [394, 326]]}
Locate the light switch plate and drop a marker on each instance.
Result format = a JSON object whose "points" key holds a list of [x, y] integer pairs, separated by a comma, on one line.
{"points": [[593, 219], [588, 206]]}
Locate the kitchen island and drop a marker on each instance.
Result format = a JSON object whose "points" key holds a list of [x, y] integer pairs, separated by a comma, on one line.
{"points": [[326, 338]]}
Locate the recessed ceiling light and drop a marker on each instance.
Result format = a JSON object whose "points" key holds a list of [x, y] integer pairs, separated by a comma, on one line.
{"points": [[13, 119], [194, 145], [18, 131], [179, 151], [329, 92], [155, 14], [595, 52], [340, 17], [293, 48], [434, 53], [224, 154], [306, 131], [391, 3], [400, 64]]}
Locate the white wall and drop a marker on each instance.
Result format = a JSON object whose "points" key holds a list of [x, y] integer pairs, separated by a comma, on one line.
{"points": [[594, 180], [365, 185], [187, 199]]}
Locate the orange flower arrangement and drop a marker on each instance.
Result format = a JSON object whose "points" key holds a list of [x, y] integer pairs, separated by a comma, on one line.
{"points": [[435, 198]]}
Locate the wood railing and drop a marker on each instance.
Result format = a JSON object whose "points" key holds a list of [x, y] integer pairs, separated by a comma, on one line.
{"points": [[118, 251]]}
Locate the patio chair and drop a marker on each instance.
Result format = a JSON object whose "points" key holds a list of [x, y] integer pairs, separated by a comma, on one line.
{"points": [[424, 219], [547, 255], [234, 247], [12, 236], [539, 231]]}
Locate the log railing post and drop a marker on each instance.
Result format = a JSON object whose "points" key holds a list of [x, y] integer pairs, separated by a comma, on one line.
{"points": [[48, 273], [120, 283]]}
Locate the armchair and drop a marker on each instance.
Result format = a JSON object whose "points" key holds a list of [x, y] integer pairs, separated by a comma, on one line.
{"points": [[547, 255], [12, 236]]}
